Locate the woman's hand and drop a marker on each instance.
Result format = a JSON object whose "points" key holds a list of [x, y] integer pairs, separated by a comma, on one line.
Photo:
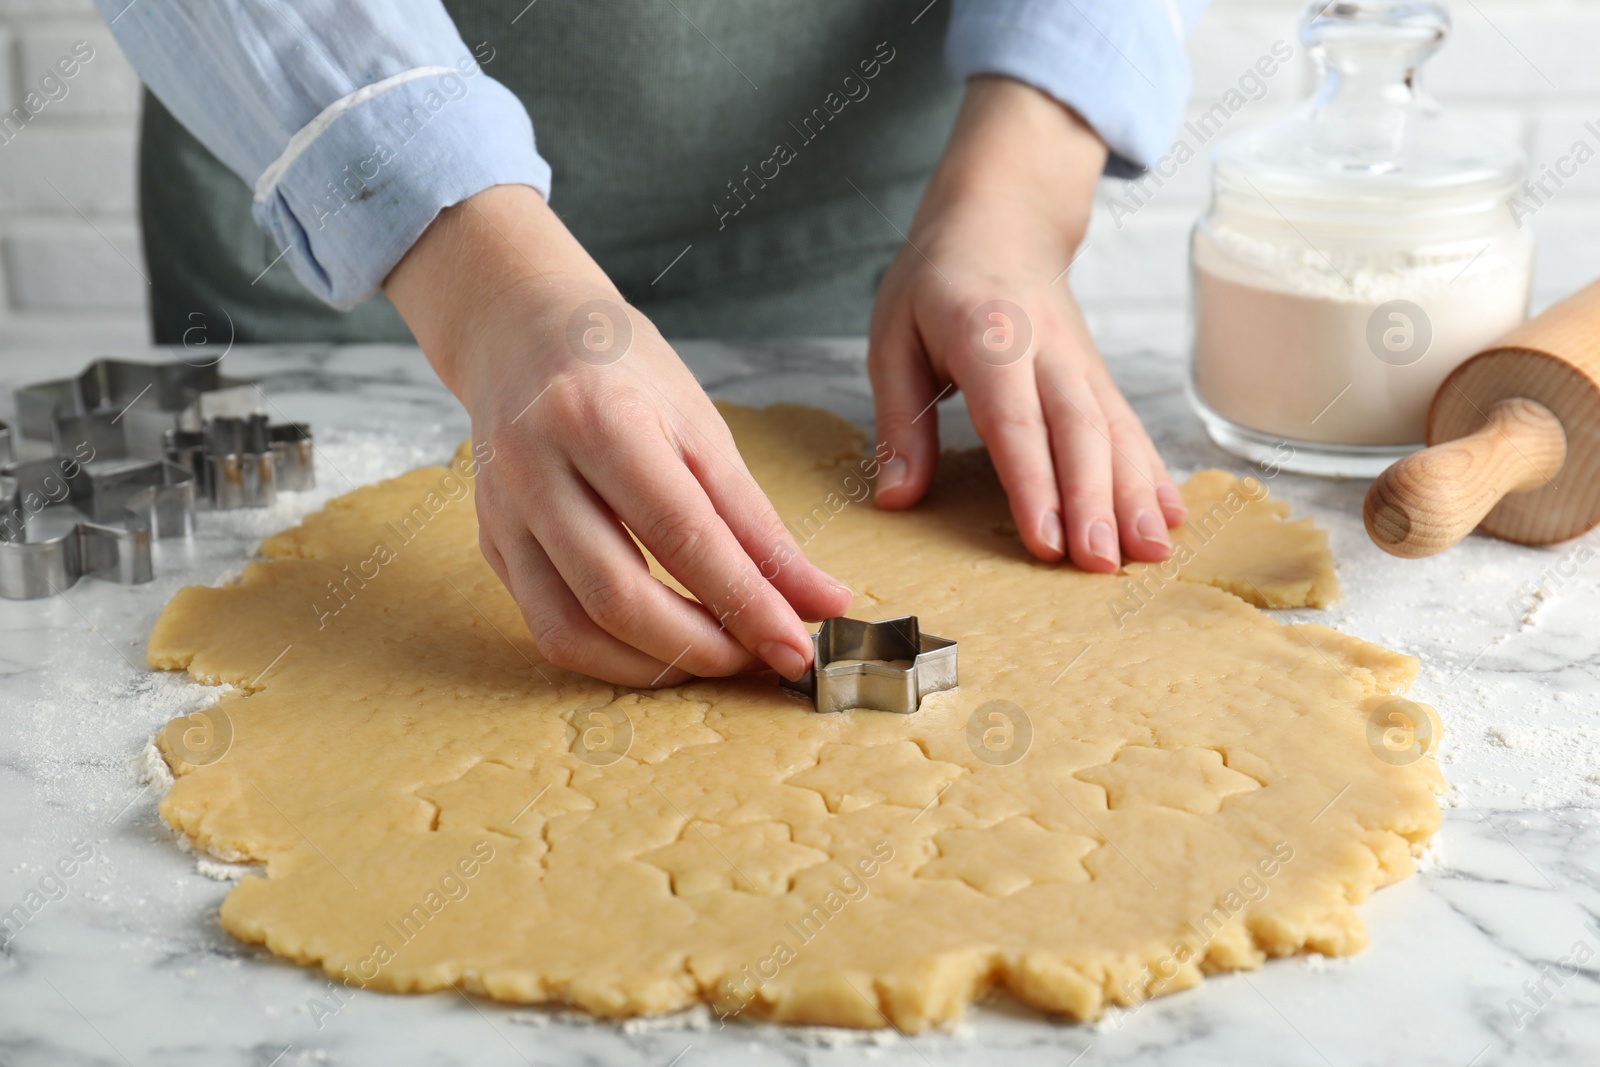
{"points": [[978, 300], [597, 431]]}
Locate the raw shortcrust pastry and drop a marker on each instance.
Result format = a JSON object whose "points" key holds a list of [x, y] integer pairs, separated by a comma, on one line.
{"points": [[435, 805]]}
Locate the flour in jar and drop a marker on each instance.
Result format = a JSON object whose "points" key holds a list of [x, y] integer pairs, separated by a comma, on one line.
{"points": [[1310, 352]]}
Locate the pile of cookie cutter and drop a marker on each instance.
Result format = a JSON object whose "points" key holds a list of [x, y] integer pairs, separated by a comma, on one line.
{"points": [[849, 670], [213, 426], [128, 471], [243, 462]]}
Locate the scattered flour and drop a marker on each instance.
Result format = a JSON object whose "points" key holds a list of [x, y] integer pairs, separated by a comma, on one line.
{"points": [[1509, 736], [702, 1019], [839, 1037], [218, 862], [1432, 857], [218, 871], [153, 769], [1113, 1020]]}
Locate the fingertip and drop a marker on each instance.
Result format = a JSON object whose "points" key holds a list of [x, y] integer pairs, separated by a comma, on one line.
{"points": [[893, 474], [1096, 549], [1144, 552], [900, 483], [1048, 541], [785, 658], [1146, 538], [1173, 508], [1093, 564]]}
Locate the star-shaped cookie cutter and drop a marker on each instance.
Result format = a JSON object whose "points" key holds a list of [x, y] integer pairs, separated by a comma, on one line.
{"points": [[114, 510], [854, 666], [121, 407], [243, 462]]}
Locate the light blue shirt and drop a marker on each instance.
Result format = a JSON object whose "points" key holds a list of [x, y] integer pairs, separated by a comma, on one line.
{"points": [[385, 94]]}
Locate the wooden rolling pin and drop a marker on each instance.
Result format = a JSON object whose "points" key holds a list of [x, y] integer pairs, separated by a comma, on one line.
{"points": [[1514, 443]]}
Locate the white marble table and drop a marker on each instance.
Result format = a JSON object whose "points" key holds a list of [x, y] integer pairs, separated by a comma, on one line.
{"points": [[129, 965]]}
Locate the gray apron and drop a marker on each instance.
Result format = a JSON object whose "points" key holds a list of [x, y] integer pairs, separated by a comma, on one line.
{"points": [[659, 143]]}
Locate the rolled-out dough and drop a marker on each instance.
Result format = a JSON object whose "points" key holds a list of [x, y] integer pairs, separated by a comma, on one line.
{"points": [[1140, 780]]}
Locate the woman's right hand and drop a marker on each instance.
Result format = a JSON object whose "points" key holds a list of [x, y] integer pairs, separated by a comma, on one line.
{"points": [[595, 429]]}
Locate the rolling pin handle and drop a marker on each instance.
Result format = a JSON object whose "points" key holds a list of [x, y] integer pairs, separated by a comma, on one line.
{"points": [[1431, 499]]}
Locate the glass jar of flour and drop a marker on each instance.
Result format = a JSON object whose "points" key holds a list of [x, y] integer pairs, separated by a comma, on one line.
{"points": [[1354, 253]]}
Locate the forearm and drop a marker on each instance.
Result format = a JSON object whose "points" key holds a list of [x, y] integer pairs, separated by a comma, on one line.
{"points": [[501, 245], [1014, 144]]}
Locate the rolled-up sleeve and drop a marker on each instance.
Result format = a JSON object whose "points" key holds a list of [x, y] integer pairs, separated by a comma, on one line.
{"points": [[1120, 64], [355, 121]]}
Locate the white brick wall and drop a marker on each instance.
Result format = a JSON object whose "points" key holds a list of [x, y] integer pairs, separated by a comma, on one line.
{"points": [[70, 264], [70, 267]]}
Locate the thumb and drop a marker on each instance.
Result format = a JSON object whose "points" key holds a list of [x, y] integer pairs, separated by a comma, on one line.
{"points": [[904, 394]]}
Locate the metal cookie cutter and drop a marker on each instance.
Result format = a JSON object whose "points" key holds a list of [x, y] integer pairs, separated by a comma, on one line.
{"points": [[102, 520], [121, 407], [193, 416], [243, 462], [845, 676]]}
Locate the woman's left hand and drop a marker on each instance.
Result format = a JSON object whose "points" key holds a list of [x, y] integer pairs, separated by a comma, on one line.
{"points": [[978, 300]]}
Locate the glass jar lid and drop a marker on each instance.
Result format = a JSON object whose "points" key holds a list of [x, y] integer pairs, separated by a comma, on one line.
{"points": [[1369, 141]]}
